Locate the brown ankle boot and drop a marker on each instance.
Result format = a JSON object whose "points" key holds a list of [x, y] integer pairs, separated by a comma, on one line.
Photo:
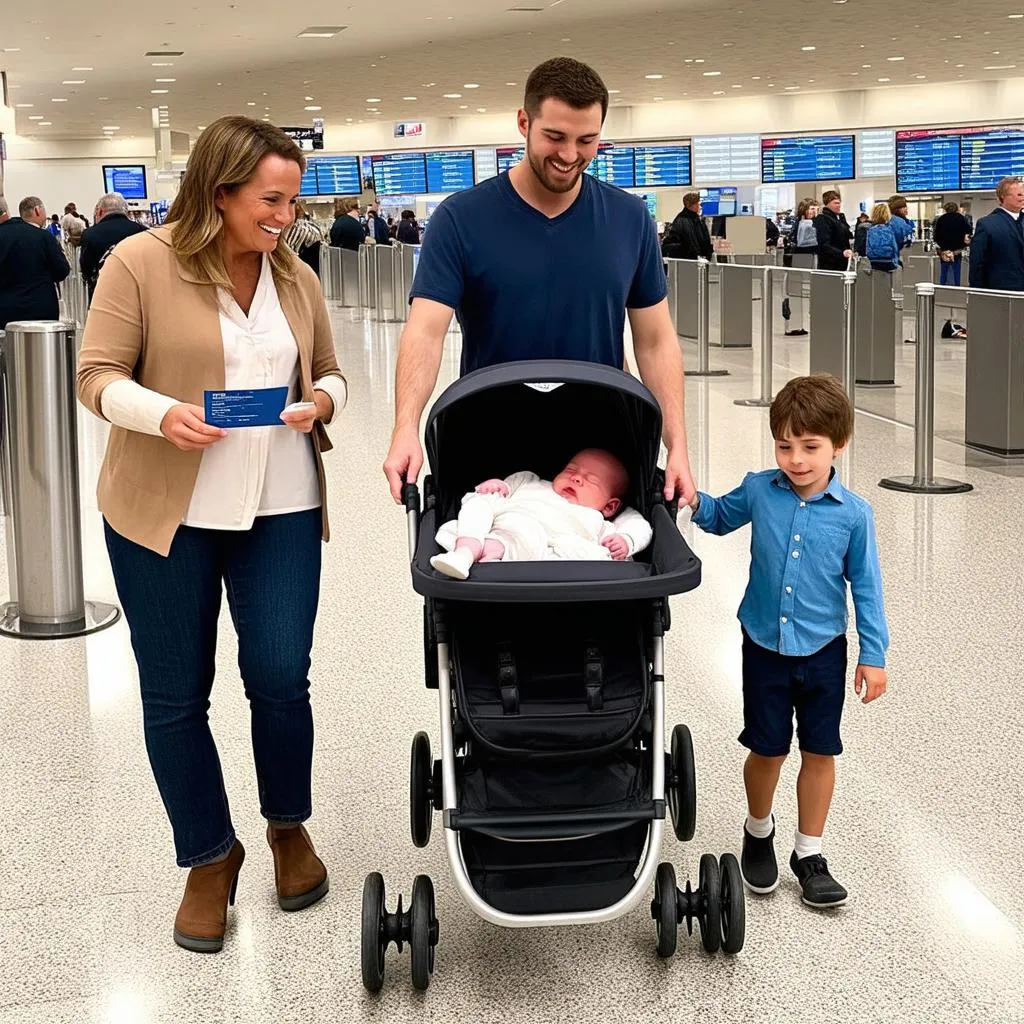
{"points": [[299, 873], [203, 913]]}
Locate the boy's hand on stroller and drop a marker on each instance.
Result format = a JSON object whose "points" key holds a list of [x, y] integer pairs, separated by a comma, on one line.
{"points": [[404, 461], [493, 487], [872, 680], [617, 545]]}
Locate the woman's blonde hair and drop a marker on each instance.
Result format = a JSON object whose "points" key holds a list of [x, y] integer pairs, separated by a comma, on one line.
{"points": [[225, 157], [881, 214]]}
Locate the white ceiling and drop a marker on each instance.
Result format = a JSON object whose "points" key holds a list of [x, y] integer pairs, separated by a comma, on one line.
{"points": [[244, 56]]}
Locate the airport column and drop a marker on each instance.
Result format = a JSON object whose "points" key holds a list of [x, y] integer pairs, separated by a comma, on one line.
{"points": [[41, 489]]}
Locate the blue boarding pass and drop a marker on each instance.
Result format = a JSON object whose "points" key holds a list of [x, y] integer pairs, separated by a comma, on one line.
{"points": [[257, 407]]}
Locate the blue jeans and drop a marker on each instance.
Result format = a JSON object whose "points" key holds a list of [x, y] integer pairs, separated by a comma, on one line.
{"points": [[272, 577], [950, 270]]}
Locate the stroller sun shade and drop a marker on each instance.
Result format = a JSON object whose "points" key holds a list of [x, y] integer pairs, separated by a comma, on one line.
{"points": [[536, 415]]}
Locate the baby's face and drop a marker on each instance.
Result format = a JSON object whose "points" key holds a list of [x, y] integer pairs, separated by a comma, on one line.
{"points": [[593, 479]]}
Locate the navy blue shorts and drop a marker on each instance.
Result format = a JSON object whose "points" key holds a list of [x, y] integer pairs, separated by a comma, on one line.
{"points": [[775, 686]]}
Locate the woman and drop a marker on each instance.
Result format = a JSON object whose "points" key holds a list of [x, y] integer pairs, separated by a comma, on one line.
{"points": [[346, 231], [803, 240], [208, 302], [880, 246], [304, 238]]}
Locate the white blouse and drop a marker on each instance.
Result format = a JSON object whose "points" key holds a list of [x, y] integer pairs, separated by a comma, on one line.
{"points": [[255, 471]]}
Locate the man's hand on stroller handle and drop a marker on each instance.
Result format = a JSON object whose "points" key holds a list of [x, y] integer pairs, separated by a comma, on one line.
{"points": [[404, 461], [678, 477]]}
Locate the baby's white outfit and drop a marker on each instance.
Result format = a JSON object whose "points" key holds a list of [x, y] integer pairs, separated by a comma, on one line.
{"points": [[535, 524]]}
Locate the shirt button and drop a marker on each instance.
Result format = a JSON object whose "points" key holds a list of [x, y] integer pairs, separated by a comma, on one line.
{"points": [[789, 590], [803, 504], [796, 554], [784, 620], [797, 537]]}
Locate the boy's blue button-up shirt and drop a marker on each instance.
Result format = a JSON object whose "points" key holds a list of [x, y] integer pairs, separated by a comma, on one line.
{"points": [[802, 554]]}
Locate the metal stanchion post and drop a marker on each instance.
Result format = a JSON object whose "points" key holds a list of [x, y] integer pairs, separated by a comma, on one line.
{"points": [[704, 323], [849, 335], [43, 500], [923, 482], [767, 344]]}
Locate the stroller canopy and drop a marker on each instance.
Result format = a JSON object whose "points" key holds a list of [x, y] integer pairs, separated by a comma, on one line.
{"points": [[535, 415]]}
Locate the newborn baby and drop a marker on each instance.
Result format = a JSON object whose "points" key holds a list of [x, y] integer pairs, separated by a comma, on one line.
{"points": [[579, 515]]}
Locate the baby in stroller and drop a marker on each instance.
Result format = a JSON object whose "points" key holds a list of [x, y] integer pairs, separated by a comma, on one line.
{"points": [[577, 516]]}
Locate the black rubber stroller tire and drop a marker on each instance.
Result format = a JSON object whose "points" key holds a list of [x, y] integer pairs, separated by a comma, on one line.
{"points": [[665, 910], [421, 783], [710, 887], [373, 943], [423, 931], [682, 794], [734, 915]]}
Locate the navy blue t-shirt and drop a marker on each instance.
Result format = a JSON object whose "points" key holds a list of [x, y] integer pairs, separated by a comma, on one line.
{"points": [[525, 286]]}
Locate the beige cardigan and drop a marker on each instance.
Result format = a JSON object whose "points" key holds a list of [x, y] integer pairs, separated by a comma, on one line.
{"points": [[153, 322]]}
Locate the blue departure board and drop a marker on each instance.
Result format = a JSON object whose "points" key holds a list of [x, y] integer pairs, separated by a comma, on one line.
{"points": [[614, 164], [807, 158], [128, 179], [396, 174], [662, 165], [509, 156], [337, 176], [718, 202], [308, 186], [450, 170], [928, 160], [989, 154]]}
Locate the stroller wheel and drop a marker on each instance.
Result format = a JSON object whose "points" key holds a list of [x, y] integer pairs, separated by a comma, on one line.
{"points": [[423, 931], [710, 893], [665, 910], [374, 941], [681, 785], [421, 784], [733, 906]]}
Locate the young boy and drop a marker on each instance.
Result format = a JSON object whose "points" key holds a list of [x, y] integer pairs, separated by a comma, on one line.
{"points": [[809, 536]]}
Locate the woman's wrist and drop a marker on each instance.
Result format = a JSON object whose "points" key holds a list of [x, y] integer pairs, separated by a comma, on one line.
{"points": [[324, 406]]}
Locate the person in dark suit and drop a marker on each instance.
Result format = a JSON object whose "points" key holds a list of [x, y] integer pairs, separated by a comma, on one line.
{"points": [[834, 234], [687, 236], [346, 231], [997, 249], [112, 225], [31, 266]]}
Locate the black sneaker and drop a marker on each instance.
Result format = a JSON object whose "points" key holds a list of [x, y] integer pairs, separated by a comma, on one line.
{"points": [[820, 888], [758, 866]]}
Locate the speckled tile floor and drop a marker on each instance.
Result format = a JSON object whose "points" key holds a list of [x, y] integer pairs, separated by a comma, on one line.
{"points": [[925, 832]]}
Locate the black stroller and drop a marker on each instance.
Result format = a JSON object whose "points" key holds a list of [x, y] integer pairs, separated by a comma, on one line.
{"points": [[553, 779]]}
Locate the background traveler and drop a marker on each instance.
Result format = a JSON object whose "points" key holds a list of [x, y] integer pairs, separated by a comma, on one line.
{"points": [[803, 241], [687, 237], [31, 266], [112, 225], [346, 231], [304, 237], [951, 234], [903, 227], [208, 301], [997, 248], [880, 245], [408, 229], [834, 234]]}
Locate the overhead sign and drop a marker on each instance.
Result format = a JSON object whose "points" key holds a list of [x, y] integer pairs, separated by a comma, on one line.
{"points": [[409, 130], [308, 139]]}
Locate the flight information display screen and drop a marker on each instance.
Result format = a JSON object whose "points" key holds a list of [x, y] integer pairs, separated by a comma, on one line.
{"points": [[338, 176], [397, 174], [807, 158], [718, 202], [308, 187], [877, 151], [128, 179], [450, 170], [989, 154], [614, 164], [727, 158], [662, 166], [509, 156], [928, 160]]}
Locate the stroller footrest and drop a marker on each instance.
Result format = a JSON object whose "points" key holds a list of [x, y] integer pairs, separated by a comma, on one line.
{"points": [[456, 819]]}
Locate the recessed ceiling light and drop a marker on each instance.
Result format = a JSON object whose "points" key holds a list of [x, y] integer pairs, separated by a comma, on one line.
{"points": [[82, 69], [165, 79], [111, 127], [313, 108], [718, 92], [885, 79], [321, 31], [999, 67], [755, 78], [453, 95], [614, 91], [711, 74], [409, 99], [792, 88], [471, 85], [11, 49], [251, 103], [807, 49], [895, 58], [658, 99], [699, 60], [24, 105], [511, 83], [481, 110], [44, 124], [1014, 17], [163, 63], [73, 81], [59, 99], [959, 65], [737, 86], [373, 99], [159, 92], [463, 106], [865, 66], [920, 76], [36, 117], [654, 77], [201, 127]]}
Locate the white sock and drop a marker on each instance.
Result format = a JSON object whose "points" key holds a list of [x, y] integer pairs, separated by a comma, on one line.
{"points": [[455, 564], [760, 828], [806, 846]]}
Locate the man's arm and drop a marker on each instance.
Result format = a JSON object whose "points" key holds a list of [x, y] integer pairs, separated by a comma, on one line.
{"points": [[660, 363], [419, 360], [59, 266], [87, 259], [978, 277]]}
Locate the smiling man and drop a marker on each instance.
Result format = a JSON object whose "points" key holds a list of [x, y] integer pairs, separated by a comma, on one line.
{"points": [[542, 262]]}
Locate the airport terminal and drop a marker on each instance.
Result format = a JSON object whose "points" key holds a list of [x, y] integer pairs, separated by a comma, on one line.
{"points": [[510, 512]]}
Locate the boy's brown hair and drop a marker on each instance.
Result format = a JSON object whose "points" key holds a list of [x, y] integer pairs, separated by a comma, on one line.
{"points": [[813, 405]]}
